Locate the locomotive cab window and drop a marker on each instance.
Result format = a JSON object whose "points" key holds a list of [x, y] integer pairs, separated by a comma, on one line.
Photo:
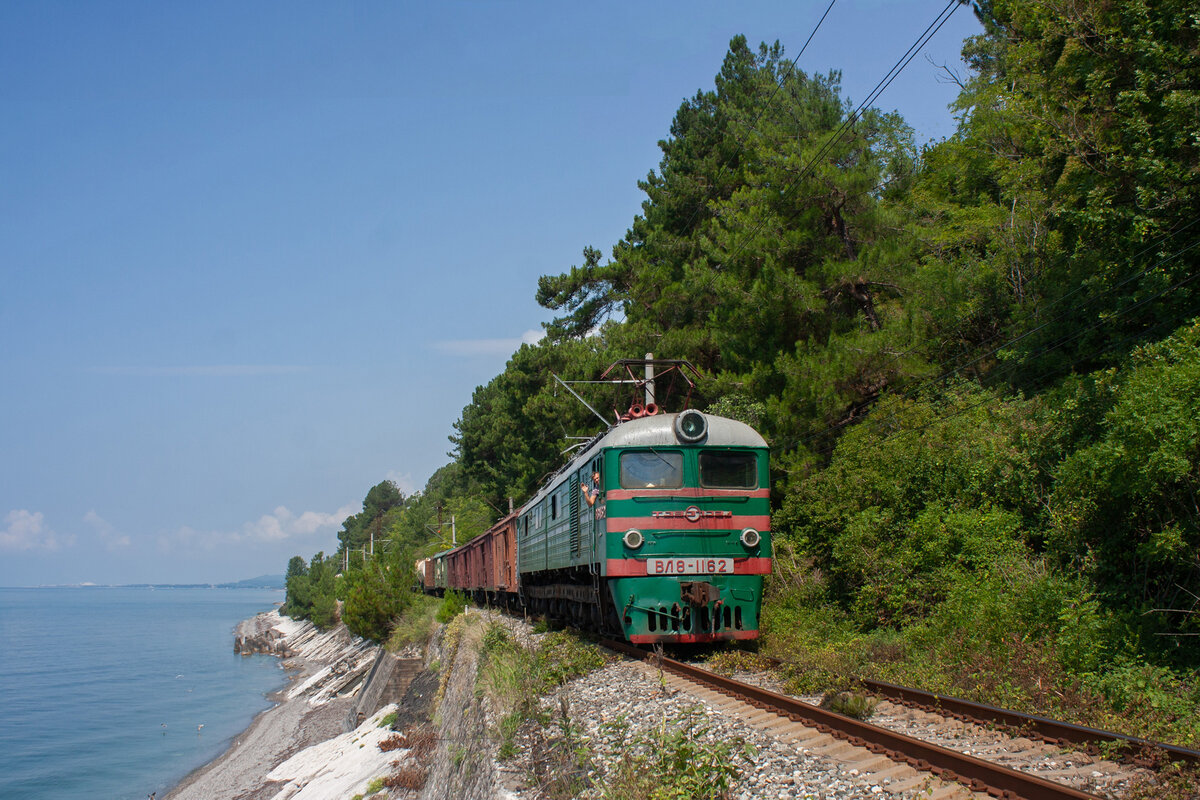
{"points": [[651, 469], [728, 470]]}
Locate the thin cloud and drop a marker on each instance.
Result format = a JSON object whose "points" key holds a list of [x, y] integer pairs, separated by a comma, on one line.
{"points": [[403, 481], [487, 347], [106, 532], [280, 525], [283, 524], [27, 530], [210, 371]]}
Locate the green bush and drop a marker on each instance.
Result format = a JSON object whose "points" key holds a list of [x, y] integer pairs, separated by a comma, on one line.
{"points": [[311, 592], [376, 596], [918, 493], [324, 613], [1123, 505], [453, 604], [1164, 704]]}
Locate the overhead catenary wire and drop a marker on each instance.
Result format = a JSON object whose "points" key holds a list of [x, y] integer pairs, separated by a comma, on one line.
{"points": [[779, 81], [941, 19], [930, 31]]}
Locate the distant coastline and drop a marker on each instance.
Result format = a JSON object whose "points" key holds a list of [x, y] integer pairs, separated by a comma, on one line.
{"points": [[261, 582], [146, 668]]}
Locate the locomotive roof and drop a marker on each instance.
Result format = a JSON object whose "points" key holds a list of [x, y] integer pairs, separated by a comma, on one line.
{"points": [[656, 431], [659, 431]]}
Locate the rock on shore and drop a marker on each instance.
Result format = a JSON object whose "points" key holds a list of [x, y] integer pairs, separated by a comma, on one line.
{"points": [[329, 672]]}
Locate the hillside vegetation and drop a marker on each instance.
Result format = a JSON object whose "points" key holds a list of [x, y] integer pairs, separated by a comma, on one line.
{"points": [[977, 363]]}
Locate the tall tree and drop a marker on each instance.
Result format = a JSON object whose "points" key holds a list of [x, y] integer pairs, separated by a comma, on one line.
{"points": [[1086, 118], [762, 246]]}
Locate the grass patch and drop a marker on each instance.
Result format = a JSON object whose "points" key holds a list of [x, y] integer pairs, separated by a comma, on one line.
{"points": [[678, 760], [513, 676], [1018, 637], [415, 625], [728, 662]]}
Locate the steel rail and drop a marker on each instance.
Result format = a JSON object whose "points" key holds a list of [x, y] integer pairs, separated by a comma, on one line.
{"points": [[1048, 730], [975, 773]]}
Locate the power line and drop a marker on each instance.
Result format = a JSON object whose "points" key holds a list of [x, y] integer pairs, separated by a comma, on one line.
{"points": [[941, 19], [778, 81]]}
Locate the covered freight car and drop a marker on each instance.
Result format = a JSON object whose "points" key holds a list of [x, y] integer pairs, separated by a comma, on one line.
{"points": [[484, 568]]}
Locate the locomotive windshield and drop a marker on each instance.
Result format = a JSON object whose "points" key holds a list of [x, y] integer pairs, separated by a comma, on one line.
{"points": [[728, 470], [651, 469]]}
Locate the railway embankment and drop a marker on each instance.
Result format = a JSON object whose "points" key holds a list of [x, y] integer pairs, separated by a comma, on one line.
{"points": [[493, 708]]}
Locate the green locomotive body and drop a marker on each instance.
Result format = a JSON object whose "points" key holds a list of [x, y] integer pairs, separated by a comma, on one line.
{"points": [[676, 544]]}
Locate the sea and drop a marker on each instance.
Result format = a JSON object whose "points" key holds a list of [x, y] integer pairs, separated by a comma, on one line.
{"points": [[121, 692]]}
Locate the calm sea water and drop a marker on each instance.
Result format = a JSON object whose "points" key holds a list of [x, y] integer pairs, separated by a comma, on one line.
{"points": [[102, 690]]}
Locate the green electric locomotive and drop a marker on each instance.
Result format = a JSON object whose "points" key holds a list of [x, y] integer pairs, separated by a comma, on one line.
{"points": [[659, 531]]}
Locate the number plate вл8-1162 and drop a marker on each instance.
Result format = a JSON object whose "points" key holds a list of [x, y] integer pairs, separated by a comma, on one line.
{"points": [[689, 566]]}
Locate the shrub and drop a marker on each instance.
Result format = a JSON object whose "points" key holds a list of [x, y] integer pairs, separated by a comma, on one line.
{"points": [[411, 778], [561, 656], [453, 604], [324, 612], [375, 596], [851, 704], [397, 742]]}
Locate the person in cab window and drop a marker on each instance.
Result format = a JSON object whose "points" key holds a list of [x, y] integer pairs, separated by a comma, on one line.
{"points": [[591, 492]]}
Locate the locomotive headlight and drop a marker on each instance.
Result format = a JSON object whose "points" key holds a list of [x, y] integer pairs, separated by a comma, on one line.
{"points": [[691, 426], [633, 538], [750, 537]]}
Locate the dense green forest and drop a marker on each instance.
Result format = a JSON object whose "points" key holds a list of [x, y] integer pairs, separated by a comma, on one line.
{"points": [[977, 363]]}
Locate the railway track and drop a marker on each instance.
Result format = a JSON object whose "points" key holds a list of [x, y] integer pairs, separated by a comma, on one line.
{"points": [[1049, 731], [977, 776]]}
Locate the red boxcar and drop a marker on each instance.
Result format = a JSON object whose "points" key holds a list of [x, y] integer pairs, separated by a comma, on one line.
{"points": [[502, 568], [425, 568], [486, 565]]}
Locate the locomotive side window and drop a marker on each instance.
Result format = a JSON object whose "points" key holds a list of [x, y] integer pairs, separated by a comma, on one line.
{"points": [[728, 470], [651, 469]]}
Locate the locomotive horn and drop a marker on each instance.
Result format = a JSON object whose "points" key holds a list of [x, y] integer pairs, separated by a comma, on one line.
{"points": [[651, 409], [637, 410]]}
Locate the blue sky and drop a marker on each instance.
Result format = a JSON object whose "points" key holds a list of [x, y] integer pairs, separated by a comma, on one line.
{"points": [[255, 257]]}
